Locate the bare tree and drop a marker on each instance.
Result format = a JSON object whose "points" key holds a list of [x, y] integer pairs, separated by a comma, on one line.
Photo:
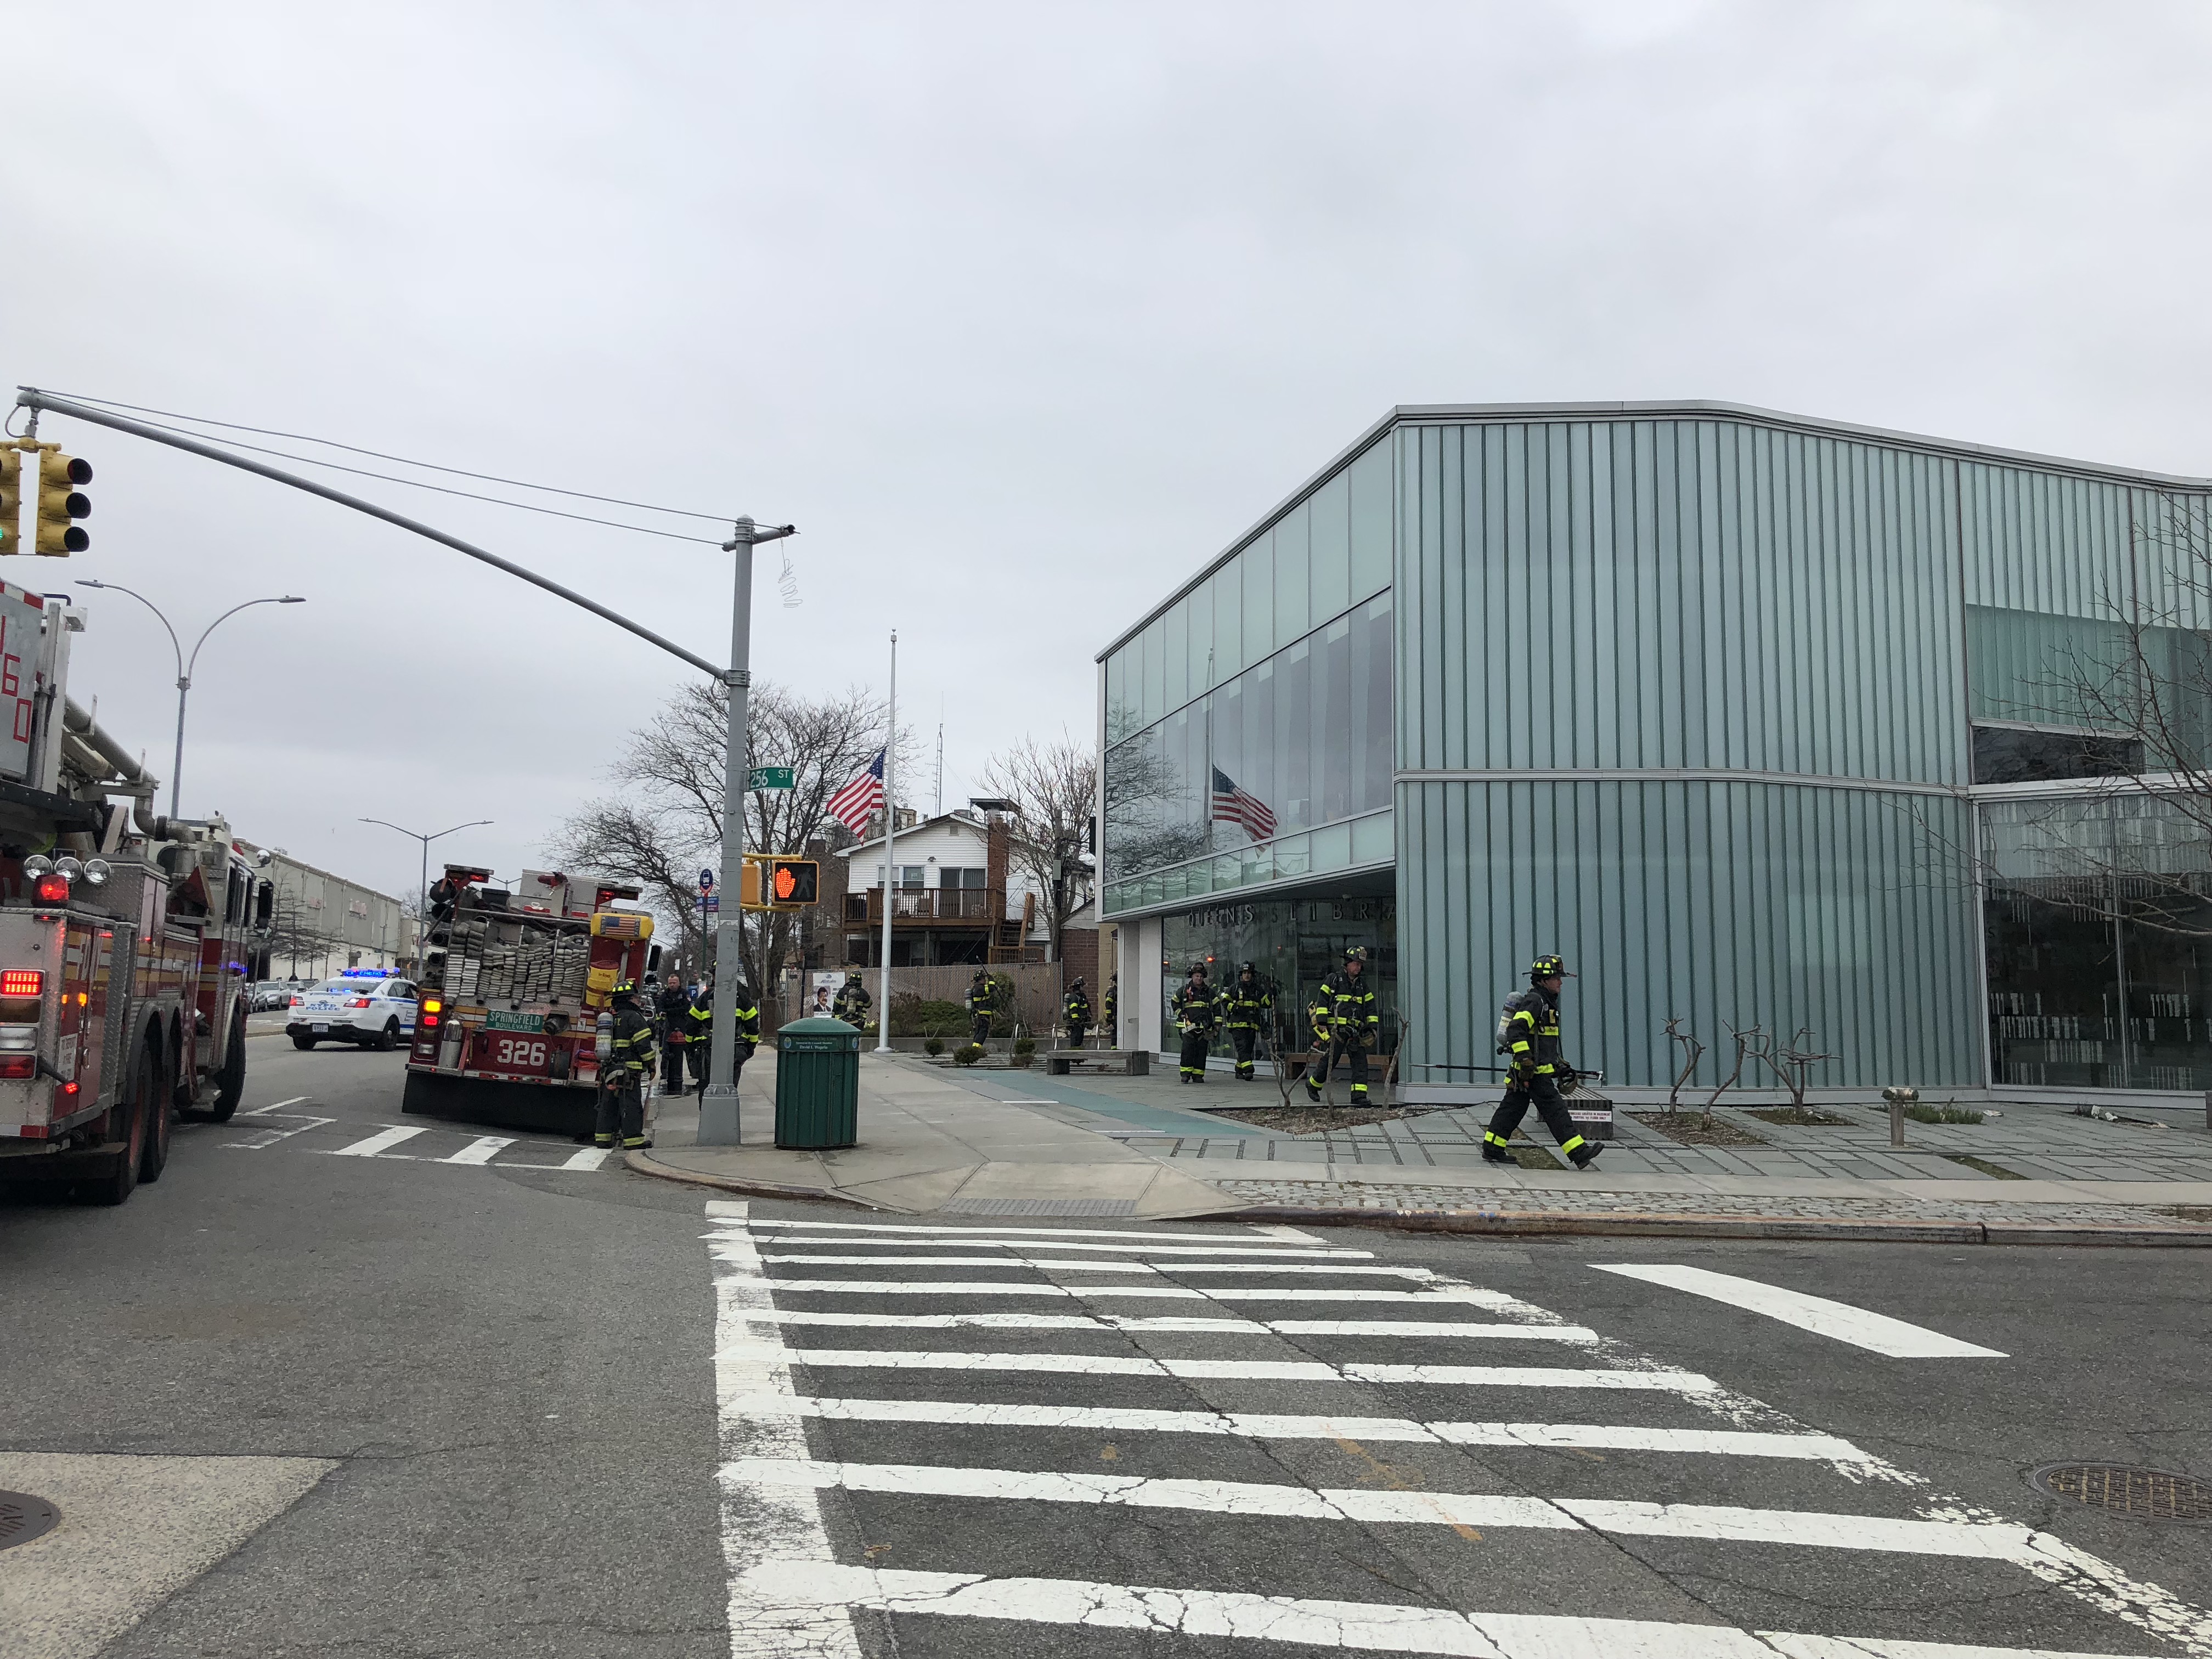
{"points": [[665, 824], [1692, 1051], [1054, 787]]}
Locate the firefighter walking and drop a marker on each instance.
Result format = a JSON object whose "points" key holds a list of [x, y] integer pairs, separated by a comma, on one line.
{"points": [[1113, 1028], [625, 1073], [1347, 1025], [1077, 1012], [853, 1001], [1529, 1031], [1197, 1010], [983, 1004], [1246, 1005]]}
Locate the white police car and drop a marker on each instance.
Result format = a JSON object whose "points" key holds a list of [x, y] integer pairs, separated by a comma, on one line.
{"points": [[370, 1007]]}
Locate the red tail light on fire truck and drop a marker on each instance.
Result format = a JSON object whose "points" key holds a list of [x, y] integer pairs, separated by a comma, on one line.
{"points": [[432, 1007], [21, 981]]}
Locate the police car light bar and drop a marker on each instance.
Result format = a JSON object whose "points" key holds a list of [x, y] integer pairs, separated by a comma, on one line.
{"points": [[365, 973]]}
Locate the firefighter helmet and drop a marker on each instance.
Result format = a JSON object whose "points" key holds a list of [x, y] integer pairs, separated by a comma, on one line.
{"points": [[1078, 983], [1549, 968], [1355, 953], [624, 988], [1246, 967], [1199, 967]]}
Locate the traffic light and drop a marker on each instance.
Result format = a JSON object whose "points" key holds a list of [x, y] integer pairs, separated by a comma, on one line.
{"points": [[11, 500], [61, 503], [793, 883]]}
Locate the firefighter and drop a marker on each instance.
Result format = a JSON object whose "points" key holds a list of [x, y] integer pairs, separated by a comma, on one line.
{"points": [[1247, 1004], [1077, 1013], [1346, 1004], [1197, 1010], [746, 1012], [674, 1007], [699, 1032], [983, 1004], [853, 999], [626, 1075], [1112, 1028], [1529, 1029]]}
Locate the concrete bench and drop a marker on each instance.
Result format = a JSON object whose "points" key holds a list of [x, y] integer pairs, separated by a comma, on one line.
{"points": [[1134, 1062]]}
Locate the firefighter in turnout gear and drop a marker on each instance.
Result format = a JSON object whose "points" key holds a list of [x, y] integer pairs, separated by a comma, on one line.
{"points": [[625, 1074], [699, 1033], [674, 1009], [853, 1001], [1346, 1026], [1113, 1028], [1197, 1010], [1247, 1004], [746, 1012], [1529, 1031], [1077, 1011], [983, 1004]]}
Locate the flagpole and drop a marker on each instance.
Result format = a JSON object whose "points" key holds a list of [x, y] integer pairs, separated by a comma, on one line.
{"points": [[890, 826]]}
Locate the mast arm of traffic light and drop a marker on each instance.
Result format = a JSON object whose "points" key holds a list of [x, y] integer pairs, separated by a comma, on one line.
{"points": [[32, 398]]}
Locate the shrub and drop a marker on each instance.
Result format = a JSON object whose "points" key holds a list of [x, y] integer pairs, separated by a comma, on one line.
{"points": [[1025, 1050], [912, 1017], [968, 1054], [933, 1047]]}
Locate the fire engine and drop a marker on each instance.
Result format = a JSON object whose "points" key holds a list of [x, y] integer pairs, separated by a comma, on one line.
{"points": [[514, 985], [123, 937]]}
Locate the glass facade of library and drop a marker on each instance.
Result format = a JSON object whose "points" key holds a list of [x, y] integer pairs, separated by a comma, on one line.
{"points": [[1758, 719], [1293, 946]]}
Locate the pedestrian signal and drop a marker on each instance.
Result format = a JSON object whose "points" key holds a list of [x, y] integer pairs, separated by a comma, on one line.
{"points": [[11, 500], [793, 882], [61, 503]]}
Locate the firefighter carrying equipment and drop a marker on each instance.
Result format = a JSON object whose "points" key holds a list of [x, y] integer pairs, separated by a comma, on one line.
{"points": [[1347, 1025], [1245, 1007], [1077, 1012], [632, 1055], [1197, 1010], [1529, 1031], [853, 1001], [983, 1004]]}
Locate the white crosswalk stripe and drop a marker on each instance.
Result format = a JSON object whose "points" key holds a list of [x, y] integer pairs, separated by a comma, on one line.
{"points": [[789, 1446], [424, 1144]]}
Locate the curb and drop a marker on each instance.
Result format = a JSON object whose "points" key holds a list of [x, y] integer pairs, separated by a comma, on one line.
{"points": [[639, 1163], [1568, 1222]]}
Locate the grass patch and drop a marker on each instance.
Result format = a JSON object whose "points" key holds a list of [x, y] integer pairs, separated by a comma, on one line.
{"points": [[1534, 1158], [1811, 1118], [1943, 1113], [2190, 1212], [1691, 1130], [1995, 1172], [1303, 1120]]}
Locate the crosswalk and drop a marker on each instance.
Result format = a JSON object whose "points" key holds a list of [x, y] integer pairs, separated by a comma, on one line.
{"points": [[416, 1143], [1434, 1466]]}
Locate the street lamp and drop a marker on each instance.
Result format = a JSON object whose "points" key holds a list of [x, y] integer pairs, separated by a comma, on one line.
{"points": [[423, 924], [185, 664]]}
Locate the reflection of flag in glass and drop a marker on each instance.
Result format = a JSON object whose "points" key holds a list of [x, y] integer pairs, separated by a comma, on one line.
{"points": [[861, 799], [1235, 806]]}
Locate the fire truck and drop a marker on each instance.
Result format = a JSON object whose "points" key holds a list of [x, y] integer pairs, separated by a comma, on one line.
{"points": [[123, 937], [514, 985]]}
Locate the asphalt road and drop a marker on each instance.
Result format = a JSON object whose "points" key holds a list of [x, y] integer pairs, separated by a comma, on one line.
{"points": [[448, 1398]]}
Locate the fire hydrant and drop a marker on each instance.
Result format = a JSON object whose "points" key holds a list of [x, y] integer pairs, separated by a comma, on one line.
{"points": [[1899, 1095]]}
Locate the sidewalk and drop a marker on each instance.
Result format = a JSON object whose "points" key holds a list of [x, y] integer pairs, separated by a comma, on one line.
{"points": [[940, 1142]]}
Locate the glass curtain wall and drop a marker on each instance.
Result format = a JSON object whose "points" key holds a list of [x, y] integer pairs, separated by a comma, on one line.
{"points": [[2097, 914], [1295, 945]]}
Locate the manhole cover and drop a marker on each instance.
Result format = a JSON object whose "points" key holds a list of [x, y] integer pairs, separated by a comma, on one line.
{"points": [[23, 1517], [2145, 1494]]}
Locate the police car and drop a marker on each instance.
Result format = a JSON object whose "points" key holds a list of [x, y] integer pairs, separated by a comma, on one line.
{"points": [[367, 1005]]}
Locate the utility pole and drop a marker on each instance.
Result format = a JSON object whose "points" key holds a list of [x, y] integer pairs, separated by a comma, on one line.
{"points": [[890, 828], [718, 1106]]}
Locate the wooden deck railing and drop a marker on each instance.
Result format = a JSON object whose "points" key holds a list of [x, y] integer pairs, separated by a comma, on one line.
{"points": [[929, 907]]}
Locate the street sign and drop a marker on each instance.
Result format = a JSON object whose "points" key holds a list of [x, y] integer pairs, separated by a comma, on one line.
{"points": [[770, 777], [711, 904], [706, 881]]}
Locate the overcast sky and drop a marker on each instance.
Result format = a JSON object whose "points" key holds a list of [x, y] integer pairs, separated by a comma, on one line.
{"points": [[1021, 312]]}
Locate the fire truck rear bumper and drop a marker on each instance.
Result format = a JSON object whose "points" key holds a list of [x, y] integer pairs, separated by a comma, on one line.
{"points": [[543, 1108]]}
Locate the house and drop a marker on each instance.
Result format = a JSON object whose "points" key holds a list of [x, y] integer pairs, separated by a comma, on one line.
{"points": [[956, 897]]}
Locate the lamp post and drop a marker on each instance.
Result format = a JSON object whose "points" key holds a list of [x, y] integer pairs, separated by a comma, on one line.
{"points": [[422, 923], [185, 664]]}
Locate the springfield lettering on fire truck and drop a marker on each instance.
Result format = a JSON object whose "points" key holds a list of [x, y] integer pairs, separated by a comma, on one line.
{"points": [[514, 985]]}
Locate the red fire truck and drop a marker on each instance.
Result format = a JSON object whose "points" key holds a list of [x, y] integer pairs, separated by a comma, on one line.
{"points": [[123, 937], [513, 987]]}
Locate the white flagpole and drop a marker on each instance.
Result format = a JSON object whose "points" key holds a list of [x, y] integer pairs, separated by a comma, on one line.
{"points": [[890, 823]]}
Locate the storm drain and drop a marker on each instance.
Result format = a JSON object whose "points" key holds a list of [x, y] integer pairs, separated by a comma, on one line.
{"points": [[2145, 1494], [1039, 1206], [23, 1517]]}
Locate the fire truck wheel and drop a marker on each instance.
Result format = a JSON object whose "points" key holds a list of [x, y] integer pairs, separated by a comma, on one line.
{"points": [[155, 1157], [230, 1081], [117, 1185], [387, 1039], [303, 1043]]}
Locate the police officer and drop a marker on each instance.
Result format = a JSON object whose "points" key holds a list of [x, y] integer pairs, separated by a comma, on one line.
{"points": [[1529, 1031], [853, 1001], [1197, 1010], [699, 1032], [1346, 1004], [1077, 1011], [674, 1008], [625, 1074], [1247, 1005], [982, 1003]]}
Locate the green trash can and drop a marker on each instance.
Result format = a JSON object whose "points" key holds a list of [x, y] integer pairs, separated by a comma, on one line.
{"points": [[818, 1083]]}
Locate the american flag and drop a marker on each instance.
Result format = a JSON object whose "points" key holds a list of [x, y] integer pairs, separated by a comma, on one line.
{"points": [[861, 799], [1235, 806]]}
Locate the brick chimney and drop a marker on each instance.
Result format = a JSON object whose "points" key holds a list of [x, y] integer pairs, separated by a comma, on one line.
{"points": [[997, 848]]}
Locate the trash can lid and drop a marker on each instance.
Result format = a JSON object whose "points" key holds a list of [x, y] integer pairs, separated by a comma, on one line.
{"points": [[824, 1025]]}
